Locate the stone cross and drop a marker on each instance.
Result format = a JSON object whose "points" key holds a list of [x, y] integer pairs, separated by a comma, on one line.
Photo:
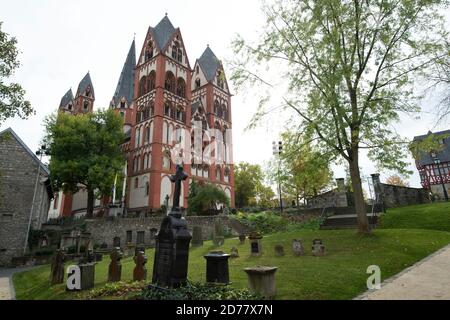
{"points": [[57, 268], [115, 267], [140, 271], [179, 176]]}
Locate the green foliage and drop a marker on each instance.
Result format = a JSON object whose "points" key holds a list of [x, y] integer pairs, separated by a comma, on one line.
{"points": [[44, 252], [349, 69], [203, 197], [301, 168], [197, 291], [12, 101], [85, 152], [117, 289], [264, 223], [249, 185]]}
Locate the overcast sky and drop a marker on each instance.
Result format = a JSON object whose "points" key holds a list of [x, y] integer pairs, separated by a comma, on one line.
{"points": [[60, 41]]}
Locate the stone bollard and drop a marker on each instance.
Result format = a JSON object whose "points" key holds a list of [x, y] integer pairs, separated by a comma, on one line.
{"points": [[297, 247], [279, 250], [255, 245], [217, 267], [318, 249], [261, 280]]}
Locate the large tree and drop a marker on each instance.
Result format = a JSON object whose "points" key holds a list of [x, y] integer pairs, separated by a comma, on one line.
{"points": [[302, 169], [12, 102], [85, 152], [248, 182], [205, 196], [349, 67]]}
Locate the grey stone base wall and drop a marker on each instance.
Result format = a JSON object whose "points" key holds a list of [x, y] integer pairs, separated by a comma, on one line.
{"points": [[395, 196], [105, 230]]}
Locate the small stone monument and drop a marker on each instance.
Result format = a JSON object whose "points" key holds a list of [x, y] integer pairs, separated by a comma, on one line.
{"points": [[57, 267], [172, 242], [197, 236], [255, 244], [234, 253], [297, 247], [140, 271], [318, 248], [217, 267], [242, 238], [261, 280], [279, 250], [115, 267]]}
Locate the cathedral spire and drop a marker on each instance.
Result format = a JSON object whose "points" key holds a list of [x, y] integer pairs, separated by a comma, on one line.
{"points": [[125, 86]]}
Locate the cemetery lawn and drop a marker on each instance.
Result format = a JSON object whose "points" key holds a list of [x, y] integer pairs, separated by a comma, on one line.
{"points": [[341, 274], [434, 216]]}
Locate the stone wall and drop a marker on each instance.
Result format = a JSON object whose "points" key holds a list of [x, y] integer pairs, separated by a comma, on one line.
{"points": [[104, 230], [333, 198], [396, 196], [18, 172]]}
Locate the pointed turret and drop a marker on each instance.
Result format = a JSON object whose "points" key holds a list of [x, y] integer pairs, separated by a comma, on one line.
{"points": [[84, 98], [209, 64], [162, 32], [124, 94], [66, 103]]}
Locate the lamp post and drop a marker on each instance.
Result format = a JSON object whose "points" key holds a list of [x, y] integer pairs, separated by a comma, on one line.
{"points": [[40, 152], [437, 161], [276, 150]]}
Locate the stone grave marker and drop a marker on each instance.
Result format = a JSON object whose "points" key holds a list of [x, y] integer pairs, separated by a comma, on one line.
{"points": [[234, 253], [279, 250], [217, 267], [115, 266], [297, 247], [261, 280], [140, 271], [318, 248], [172, 242], [242, 238], [87, 275], [57, 267], [197, 236], [255, 244], [218, 238]]}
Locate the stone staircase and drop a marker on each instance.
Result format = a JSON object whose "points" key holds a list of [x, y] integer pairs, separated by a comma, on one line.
{"points": [[345, 219]]}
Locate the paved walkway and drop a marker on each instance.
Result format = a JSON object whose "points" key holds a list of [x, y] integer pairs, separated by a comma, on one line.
{"points": [[428, 279], [6, 284]]}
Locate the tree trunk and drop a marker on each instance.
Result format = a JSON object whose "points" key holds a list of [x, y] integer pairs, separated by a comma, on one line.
{"points": [[90, 203], [360, 206]]}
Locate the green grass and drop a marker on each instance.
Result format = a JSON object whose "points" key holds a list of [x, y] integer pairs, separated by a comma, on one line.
{"points": [[434, 216], [341, 274]]}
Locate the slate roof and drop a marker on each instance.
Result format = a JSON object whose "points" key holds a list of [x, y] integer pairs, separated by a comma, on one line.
{"points": [[66, 98], [162, 32], [25, 147], [443, 155], [209, 64], [84, 83], [125, 86]]}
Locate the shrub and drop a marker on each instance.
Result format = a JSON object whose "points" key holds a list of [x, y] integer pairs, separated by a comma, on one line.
{"points": [[197, 291], [264, 222], [43, 252], [120, 288]]}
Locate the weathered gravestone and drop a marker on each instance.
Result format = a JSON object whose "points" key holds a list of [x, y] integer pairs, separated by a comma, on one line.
{"points": [[218, 238], [279, 250], [297, 247], [197, 236], [57, 267], [115, 267], [140, 271], [153, 232], [116, 242], [217, 267], [242, 238], [87, 275], [234, 253], [172, 242], [318, 248], [261, 280], [255, 244]]}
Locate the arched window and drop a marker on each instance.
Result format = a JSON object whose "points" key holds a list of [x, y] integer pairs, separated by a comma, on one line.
{"points": [[122, 104], [149, 163], [219, 79], [180, 55], [151, 81], [138, 137], [69, 106], [174, 52], [216, 107], [145, 161], [149, 51], [138, 163], [227, 174], [169, 84], [136, 182], [142, 86], [147, 188], [166, 161], [86, 105], [179, 115], [167, 108], [197, 70], [165, 132], [218, 174], [181, 87], [197, 83]]}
